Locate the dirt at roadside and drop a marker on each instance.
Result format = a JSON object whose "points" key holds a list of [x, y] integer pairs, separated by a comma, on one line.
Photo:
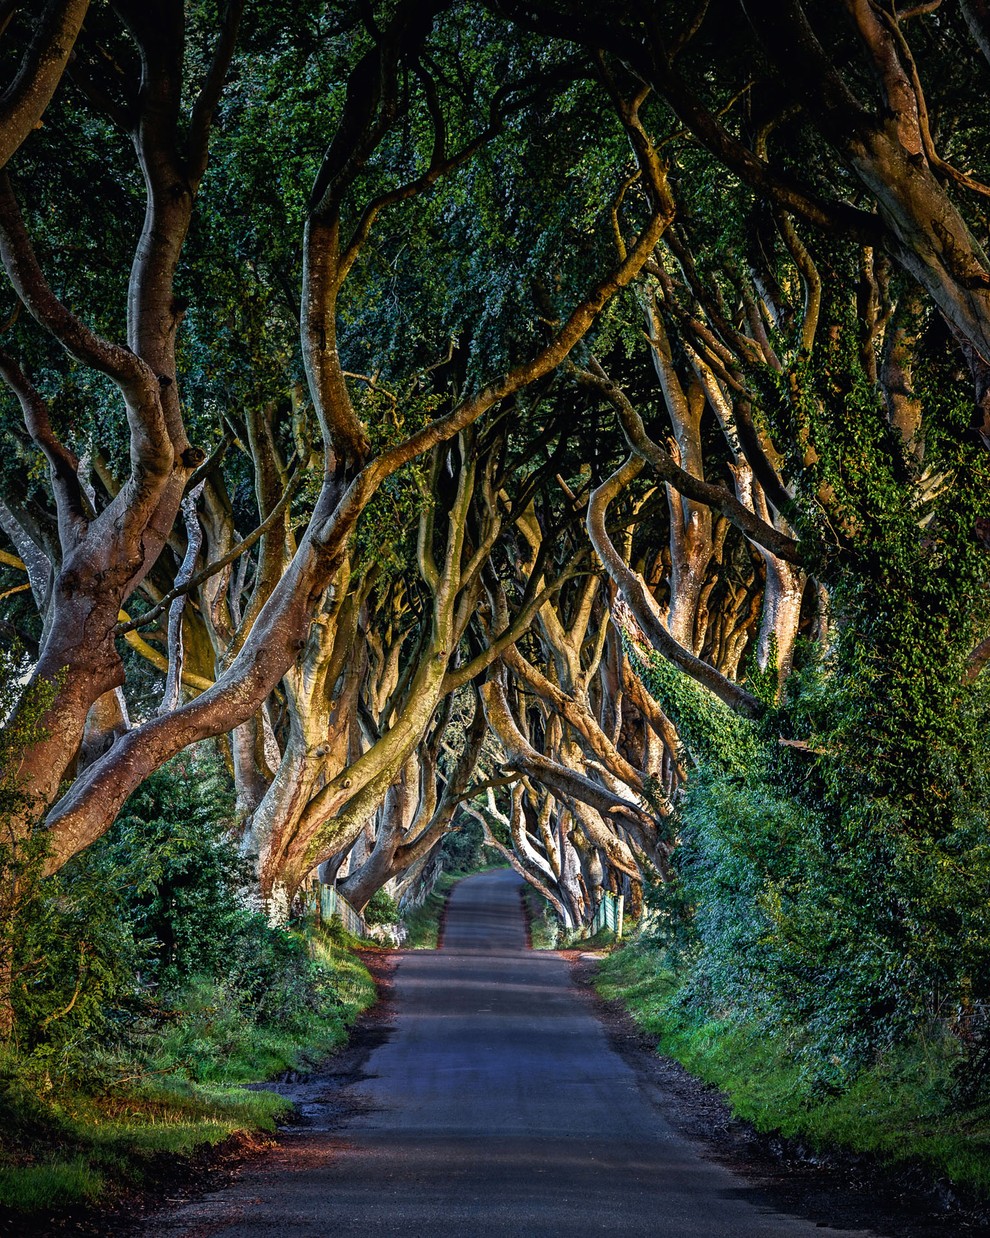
{"points": [[840, 1189]]}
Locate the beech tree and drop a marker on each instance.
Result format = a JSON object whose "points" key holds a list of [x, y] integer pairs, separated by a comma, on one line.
{"points": [[569, 419], [110, 541], [250, 569]]}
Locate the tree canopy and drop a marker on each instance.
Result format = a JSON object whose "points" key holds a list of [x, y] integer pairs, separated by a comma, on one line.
{"points": [[574, 422]]}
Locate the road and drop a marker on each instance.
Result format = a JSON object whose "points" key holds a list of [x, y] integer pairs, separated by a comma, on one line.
{"points": [[496, 1107]]}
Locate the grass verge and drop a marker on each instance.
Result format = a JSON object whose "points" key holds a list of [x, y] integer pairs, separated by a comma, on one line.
{"points": [[899, 1110], [423, 922], [77, 1139], [544, 927]]}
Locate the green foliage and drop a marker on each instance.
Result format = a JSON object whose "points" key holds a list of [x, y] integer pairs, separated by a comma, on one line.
{"points": [[78, 1147], [149, 930], [381, 909], [76, 962], [805, 899], [833, 895], [837, 882], [148, 988], [463, 848], [22, 846], [903, 1108], [713, 734], [182, 871]]}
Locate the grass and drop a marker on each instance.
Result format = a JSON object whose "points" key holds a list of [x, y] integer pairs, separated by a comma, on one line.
{"points": [[82, 1148], [423, 922], [74, 1143], [228, 1048], [900, 1109], [604, 939], [546, 932], [38, 1188], [544, 927]]}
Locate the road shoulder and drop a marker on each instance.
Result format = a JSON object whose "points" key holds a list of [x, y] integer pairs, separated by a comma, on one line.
{"points": [[840, 1189]]}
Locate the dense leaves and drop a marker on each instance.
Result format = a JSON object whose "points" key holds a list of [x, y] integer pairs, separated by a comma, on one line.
{"points": [[148, 945], [394, 214]]}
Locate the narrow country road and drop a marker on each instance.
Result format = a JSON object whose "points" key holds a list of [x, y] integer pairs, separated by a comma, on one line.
{"points": [[496, 1107]]}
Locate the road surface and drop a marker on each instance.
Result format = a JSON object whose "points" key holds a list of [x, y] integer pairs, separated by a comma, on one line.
{"points": [[496, 1107]]}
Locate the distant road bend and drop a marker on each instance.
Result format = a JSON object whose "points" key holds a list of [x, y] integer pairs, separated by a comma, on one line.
{"points": [[496, 1107]]}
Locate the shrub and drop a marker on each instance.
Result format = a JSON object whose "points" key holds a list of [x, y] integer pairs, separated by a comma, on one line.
{"points": [[381, 909], [146, 944]]}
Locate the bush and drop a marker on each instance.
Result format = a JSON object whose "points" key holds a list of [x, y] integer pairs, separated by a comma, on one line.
{"points": [[818, 888], [147, 987], [146, 944], [381, 909]]}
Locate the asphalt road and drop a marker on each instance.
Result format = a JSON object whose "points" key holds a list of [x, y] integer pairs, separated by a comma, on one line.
{"points": [[496, 1107]]}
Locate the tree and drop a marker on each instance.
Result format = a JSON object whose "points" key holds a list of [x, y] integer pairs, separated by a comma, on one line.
{"points": [[108, 551]]}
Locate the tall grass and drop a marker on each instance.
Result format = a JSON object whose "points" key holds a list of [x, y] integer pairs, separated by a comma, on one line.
{"points": [[902, 1108]]}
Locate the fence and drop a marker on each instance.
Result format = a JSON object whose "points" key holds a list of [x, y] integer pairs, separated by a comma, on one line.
{"points": [[322, 903], [608, 915]]}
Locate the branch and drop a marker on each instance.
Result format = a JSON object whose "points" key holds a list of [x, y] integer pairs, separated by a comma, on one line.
{"points": [[515, 862], [577, 715], [476, 788], [176, 649], [810, 278], [212, 461], [63, 464], [977, 660], [158, 659], [899, 95], [235, 552], [924, 126], [279, 630], [655, 65], [151, 447], [209, 95], [977, 15], [33, 559], [533, 599], [666, 469], [521, 755], [40, 72], [641, 602]]}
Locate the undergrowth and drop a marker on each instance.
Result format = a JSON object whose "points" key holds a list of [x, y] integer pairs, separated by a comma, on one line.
{"points": [[544, 926], [902, 1108], [148, 989], [83, 1136]]}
